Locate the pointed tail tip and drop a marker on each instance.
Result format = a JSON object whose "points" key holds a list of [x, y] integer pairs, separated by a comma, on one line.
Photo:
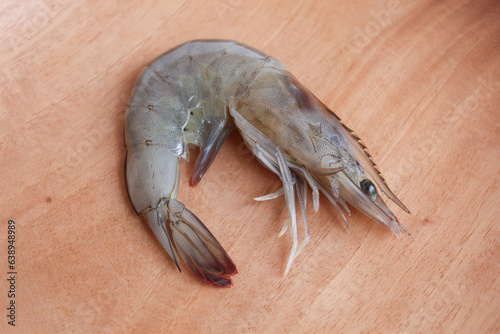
{"points": [[221, 277], [195, 180], [219, 281]]}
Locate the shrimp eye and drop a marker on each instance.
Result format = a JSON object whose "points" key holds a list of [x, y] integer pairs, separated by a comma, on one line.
{"points": [[368, 188]]}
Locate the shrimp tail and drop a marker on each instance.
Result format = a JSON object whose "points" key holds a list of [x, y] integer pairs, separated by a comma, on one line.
{"points": [[184, 236]]}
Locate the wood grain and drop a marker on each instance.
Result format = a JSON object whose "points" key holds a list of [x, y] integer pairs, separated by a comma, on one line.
{"points": [[419, 81]]}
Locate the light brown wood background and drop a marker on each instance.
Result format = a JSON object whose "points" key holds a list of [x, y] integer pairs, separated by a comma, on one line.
{"points": [[419, 81]]}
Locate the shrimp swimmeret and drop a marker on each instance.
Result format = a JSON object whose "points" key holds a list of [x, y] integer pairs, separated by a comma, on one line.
{"points": [[195, 95]]}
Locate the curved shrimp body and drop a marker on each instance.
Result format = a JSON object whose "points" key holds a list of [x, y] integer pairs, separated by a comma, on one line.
{"points": [[195, 95]]}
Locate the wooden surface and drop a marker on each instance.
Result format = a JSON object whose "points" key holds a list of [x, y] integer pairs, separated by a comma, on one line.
{"points": [[419, 81]]}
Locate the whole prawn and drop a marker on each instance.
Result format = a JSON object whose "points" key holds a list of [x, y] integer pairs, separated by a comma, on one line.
{"points": [[195, 95]]}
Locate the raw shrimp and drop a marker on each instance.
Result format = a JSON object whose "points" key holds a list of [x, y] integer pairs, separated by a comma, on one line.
{"points": [[195, 95]]}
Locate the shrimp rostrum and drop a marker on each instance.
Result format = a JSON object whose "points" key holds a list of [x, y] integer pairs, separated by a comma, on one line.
{"points": [[193, 96]]}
